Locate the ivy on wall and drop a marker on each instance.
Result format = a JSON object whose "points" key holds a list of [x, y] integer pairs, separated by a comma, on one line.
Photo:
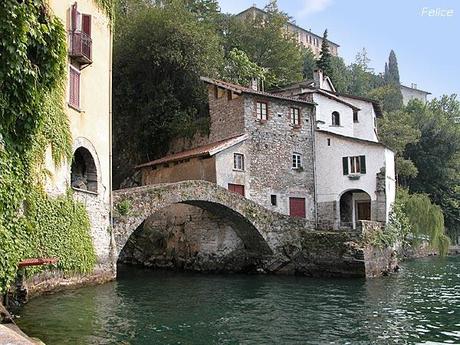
{"points": [[33, 58]]}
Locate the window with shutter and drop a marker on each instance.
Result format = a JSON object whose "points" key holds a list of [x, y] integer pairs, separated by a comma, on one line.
{"points": [[74, 87], [294, 114], [345, 165]]}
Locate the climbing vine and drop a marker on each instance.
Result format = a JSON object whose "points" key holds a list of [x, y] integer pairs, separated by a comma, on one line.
{"points": [[32, 118]]}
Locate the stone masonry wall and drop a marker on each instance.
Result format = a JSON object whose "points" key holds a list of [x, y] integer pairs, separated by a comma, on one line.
{"points": [[225, 114], [189, 238], [271, 145]]}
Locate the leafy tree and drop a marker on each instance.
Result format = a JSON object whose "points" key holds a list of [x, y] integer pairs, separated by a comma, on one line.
{"points": [[437, 156], [397, 130], [240, 70], [390, 93], [309, 63], [267, 43], [324, 61], [159, 55], [340, 74], [389, 96], [426, 220], [392, 70]]}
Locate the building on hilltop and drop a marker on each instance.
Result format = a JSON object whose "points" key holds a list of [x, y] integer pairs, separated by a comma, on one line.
{"points": [[304, 150], [88, 106], [304, 37], [412, 92]]}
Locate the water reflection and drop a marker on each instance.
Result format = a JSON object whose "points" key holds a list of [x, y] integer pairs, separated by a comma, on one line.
{"points": [[420, 305]]}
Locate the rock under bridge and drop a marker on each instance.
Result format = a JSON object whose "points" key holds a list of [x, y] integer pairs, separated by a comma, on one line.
{"points": [[284, 244]]}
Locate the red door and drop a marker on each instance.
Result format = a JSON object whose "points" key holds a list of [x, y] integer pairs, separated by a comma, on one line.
{"points": [[297, 207], [236, 188]]}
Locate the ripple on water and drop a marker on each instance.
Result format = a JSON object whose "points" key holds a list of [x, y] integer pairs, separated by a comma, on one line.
{"points": [[420, 305]]}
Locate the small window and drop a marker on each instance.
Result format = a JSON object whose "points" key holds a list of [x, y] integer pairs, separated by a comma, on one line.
{"points": [[328, 142], [74, 87], [273, 200], [355, 116], [296, 161], [335, 118], [261, 111], [295, 116], [354, 165], [238, 161]]}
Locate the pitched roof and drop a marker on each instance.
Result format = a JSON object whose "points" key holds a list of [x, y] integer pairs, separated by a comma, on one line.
{"points": [[376, 104], [412, 88], [242, 89], [201, 151], [353, 138], [309, 85]]}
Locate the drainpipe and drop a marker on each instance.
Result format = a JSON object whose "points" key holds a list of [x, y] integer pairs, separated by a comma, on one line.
{"points": [[315, 197]]}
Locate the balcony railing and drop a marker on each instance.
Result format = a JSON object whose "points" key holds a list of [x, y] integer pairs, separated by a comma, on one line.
{"points": [[80, 47]]}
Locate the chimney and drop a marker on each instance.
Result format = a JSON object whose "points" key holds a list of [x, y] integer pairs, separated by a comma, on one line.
{"points": [[318, 77], [256, 84], [414, 86]]}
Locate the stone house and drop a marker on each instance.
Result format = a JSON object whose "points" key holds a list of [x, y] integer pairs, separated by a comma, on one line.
{"points": [[260, 145], [354, 172], [88, 107], [304, 150]]}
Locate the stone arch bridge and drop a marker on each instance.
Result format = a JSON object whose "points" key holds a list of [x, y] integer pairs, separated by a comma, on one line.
{"points": [[261, 230], [284, 244]]}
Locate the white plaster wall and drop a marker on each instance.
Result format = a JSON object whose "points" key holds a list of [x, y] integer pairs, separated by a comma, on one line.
{"points": [[365, 127], [410, 94], [324, 109], [331, 182], [225, 173]]}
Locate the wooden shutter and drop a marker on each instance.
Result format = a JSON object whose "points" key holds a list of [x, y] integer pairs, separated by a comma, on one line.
{"points": [[345, 165], [362, 164], [86, 24], [74, 88], [74, 17]]}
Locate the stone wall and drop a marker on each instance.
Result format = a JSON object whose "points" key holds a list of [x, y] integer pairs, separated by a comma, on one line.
{"points": [[189, 238], [225, 114], [271, 145], [232, 233]]}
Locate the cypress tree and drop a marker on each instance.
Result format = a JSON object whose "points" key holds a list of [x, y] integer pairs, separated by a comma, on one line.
{"points": [[393, 71], [324, 61]]}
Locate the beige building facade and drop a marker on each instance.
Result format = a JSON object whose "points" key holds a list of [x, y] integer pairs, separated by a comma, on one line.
{"points": [[88, 106]]}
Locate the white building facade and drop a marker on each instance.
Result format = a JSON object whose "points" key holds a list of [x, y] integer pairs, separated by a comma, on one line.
{"points": [[354, 172]]}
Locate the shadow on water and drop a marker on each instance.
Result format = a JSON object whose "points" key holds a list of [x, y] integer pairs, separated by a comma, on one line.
{"points": [[421, 304]]}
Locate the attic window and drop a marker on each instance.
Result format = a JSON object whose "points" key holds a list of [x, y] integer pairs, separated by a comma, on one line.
{"points": [[335, 118], [355, 116]]}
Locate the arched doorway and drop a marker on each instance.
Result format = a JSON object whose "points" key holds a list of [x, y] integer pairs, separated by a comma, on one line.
{"points": [[83, 174], [355, 205]]}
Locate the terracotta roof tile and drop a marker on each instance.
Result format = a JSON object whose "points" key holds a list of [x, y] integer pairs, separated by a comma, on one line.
{"points": [[242, 89], [201, 151]]}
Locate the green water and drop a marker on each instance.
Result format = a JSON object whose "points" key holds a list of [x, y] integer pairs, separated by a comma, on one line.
{"points": [[419, 305]]}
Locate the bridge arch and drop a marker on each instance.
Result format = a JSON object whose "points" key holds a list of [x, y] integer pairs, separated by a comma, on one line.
{"points": [[249, 220]]}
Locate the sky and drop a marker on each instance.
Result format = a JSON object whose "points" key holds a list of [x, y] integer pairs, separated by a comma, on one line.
{"points": [[425, 34]]}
